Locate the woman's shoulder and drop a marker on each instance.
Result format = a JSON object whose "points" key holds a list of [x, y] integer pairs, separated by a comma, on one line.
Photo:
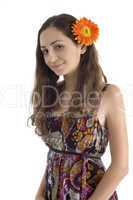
{"points": [[111, 101], [112, 90], [113, 96]]}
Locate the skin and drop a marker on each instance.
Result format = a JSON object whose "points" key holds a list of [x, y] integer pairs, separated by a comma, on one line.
{"points": [[118, 144], [112, 104], [64, 53]]}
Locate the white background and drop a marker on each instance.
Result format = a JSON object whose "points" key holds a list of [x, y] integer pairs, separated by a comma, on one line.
{"points": [[22, 153]]}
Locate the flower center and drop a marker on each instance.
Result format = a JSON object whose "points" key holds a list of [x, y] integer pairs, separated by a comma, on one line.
{"points": [[86, 31]]}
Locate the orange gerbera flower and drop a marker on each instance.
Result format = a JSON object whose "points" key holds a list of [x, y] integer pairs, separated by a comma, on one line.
{"points": [[85, 31]]}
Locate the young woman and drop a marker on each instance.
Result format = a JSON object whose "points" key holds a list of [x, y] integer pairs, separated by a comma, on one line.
{"points": [[78, 116]]}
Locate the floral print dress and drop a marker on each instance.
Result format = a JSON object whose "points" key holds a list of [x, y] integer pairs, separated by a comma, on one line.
{"points": [[74, 165]]}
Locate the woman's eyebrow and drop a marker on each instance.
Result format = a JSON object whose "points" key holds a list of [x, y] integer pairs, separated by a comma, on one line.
{"points": [[52, 43]]}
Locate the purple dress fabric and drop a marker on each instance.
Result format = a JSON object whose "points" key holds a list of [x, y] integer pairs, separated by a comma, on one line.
{"points": [[74, 165]]}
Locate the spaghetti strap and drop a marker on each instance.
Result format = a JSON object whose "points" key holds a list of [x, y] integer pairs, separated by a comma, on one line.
{"points": [[105, 86]]}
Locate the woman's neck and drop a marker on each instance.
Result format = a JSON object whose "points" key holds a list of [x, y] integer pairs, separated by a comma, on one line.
{"points": [[70, 81]]}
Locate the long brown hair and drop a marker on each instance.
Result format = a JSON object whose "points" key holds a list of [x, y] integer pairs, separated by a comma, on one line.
{"points": [[89, 73]]}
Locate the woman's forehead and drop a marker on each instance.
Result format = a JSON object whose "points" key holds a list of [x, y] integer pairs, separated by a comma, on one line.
{"points": [[50, 35]]}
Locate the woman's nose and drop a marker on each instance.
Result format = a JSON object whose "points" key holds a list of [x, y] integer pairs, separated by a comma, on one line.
{"points": [[52, 57]]}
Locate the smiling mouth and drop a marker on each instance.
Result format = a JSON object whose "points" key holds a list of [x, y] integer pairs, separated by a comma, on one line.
{"points": [[57, 66]]}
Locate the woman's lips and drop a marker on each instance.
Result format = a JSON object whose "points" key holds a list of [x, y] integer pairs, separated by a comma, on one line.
{"points": [[58, 66]]}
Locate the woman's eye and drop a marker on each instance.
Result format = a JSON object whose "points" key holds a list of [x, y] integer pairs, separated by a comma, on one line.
{"points": [[59, 46]]}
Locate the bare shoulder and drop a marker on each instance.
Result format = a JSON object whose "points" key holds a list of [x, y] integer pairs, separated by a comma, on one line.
{"points": [[114, 98], [113, 90], [111, 100]]}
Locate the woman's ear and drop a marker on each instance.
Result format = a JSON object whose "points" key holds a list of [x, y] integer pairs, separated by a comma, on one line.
{"points": [[83, 49]]}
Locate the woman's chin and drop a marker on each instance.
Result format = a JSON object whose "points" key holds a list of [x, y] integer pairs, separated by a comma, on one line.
{"points": [[60, 72]]}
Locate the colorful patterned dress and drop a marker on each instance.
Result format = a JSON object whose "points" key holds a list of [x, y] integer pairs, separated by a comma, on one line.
{"points": [[74, 165]]}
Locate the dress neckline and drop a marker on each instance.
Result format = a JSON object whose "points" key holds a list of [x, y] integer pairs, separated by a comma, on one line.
{"points": [[86, 115], [62, 114]]}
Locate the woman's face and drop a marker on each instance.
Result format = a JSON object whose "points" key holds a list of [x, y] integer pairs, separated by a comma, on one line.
{"points": [[60, 53]]}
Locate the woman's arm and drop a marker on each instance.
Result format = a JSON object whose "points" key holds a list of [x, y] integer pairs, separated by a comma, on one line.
{"points": [[41, 189], [118, 142]]}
